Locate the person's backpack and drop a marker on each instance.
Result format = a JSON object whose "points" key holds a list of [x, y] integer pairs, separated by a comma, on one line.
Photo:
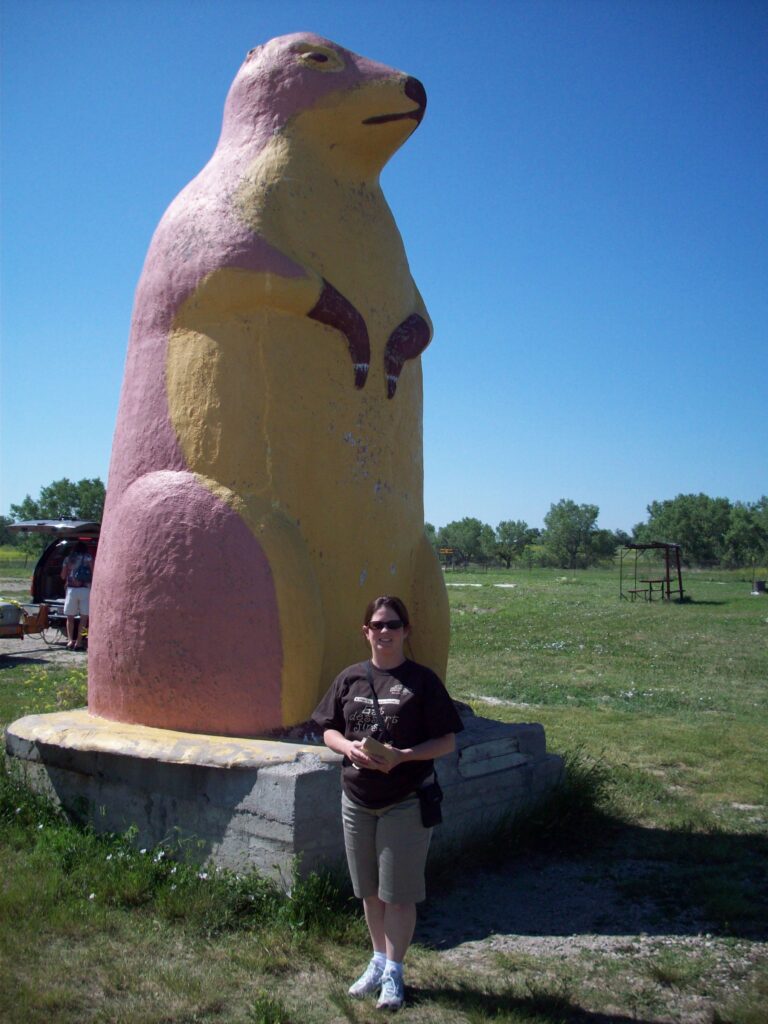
{"points": [[83, 573]]}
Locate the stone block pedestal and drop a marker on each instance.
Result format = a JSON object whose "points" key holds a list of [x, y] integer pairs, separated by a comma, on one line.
{"points": [[257, 803]]}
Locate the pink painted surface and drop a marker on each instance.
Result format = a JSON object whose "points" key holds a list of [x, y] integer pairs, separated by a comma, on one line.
{"points": [[201, 232], [190, 639], [171, 643]]}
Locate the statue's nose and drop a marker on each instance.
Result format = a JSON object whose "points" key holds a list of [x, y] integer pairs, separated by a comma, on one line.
{"points": [[415, 91]]}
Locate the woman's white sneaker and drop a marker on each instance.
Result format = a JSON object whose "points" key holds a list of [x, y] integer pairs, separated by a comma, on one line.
{"points": [[392, 994], [369, 981]]}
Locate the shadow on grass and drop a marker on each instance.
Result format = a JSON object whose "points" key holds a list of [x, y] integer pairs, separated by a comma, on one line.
{"points": [[627, 880], [568, 867], [40, 654], [16, 660], [544, 1007]]}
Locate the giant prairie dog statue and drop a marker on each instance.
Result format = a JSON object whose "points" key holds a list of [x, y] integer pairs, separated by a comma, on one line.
{"points": [[266, 476]]}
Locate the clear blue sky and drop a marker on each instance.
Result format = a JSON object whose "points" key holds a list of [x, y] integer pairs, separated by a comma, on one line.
{"points": [[585, 209]]}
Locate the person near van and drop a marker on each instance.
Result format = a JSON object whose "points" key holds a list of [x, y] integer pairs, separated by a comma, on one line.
{"points": [[77, 572], [405, 706]]}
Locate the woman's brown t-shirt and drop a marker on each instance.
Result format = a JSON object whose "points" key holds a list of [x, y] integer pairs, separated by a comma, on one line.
{"points": [[415, 707]]}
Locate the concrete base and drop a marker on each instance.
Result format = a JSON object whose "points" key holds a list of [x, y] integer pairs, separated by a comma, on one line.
{"points": [[257, 803]]}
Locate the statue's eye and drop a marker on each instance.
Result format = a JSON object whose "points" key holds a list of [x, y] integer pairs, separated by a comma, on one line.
{"points": [[321, 59]]}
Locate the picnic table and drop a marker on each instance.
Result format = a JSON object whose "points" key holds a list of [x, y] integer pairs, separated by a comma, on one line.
{"points": [[655, 584], [652, 586]]}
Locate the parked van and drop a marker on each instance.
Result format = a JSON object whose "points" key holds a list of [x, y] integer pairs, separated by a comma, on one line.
{"points": [[47, 585]]}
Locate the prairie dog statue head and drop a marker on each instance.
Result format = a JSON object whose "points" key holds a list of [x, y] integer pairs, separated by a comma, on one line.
{"points": [[359, 112]]}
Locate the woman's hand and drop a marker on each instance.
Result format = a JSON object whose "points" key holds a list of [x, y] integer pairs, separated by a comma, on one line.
{"points": [[353, 750], [359, 757]]}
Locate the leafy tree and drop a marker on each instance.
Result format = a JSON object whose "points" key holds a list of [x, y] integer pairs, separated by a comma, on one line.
{"points": [[695, 521], [604, 544], [6, 537], [528, 557], [746, 540], [760, 515], [569, 533], [64, 499], [431, 533], [474, 539], [512, 538], [487, 543], [760, 509], [61, 499]]}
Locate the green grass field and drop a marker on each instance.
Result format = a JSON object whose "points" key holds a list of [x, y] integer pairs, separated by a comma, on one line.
{"points": [[676, 689], [15, 563], [662, 710]]}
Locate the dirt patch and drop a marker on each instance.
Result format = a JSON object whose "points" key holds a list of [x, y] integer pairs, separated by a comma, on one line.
{"points": [[552, 917], [35, 650]]}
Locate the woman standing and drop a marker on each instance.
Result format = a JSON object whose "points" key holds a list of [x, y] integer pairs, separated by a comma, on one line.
{"points": [[406, 706], [77, 573]]}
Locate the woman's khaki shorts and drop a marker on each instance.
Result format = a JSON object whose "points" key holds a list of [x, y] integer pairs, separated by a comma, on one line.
{"points": [[386, 850], [77, 600]]}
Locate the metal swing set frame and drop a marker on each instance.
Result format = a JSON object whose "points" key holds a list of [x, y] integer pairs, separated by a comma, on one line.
{"points": [[667, 586]]}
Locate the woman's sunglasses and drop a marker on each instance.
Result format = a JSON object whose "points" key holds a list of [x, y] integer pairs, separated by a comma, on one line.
{"points": [[388, 623]]}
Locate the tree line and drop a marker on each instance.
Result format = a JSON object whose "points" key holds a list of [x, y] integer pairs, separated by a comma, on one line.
{"points": [[711, 531], [61, 499]]}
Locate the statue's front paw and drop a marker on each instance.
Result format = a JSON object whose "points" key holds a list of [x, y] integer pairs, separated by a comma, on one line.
{"points": [[408, 340], [333, 309]]}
